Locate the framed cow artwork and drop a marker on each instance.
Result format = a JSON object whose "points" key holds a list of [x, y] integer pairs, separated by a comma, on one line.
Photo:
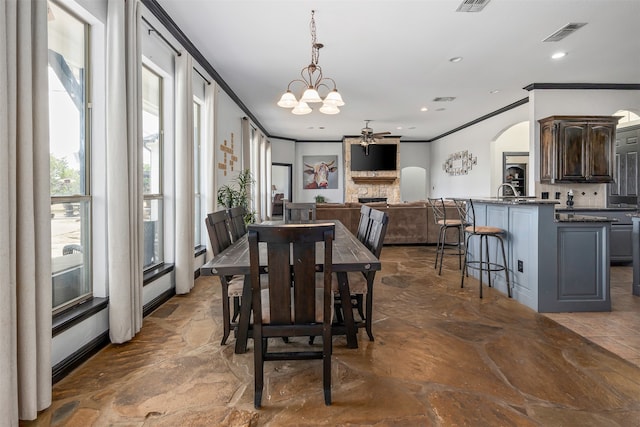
{"points": [[320, 172]]}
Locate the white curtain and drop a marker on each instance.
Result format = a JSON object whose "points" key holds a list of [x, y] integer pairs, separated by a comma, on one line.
{"points": [[184, 263], [209, 153], [25, 208], [124, 169]]}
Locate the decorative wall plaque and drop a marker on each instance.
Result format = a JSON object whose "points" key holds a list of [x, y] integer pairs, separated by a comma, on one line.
{"points": [[459, 163]]}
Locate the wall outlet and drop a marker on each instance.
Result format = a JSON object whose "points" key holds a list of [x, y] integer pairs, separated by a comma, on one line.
{"points": [[521, 266]]}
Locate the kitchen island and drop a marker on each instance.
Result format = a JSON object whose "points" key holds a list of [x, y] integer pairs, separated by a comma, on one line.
{"points": [[557, 262]]}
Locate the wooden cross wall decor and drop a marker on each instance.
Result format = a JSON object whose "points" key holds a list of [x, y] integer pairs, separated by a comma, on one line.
{"points": [[229, 159]]}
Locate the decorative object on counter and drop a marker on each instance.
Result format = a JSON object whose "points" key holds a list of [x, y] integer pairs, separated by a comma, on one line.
{"points": [[570, 199], [320, 199], [460, 163]]}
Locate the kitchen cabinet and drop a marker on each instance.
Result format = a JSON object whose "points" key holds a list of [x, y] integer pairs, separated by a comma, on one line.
{"points": [[624, 189], [577, 149]]}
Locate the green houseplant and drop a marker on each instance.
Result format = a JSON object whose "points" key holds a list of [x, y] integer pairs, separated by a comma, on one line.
{"points": [[238, 193], [320, 199]]}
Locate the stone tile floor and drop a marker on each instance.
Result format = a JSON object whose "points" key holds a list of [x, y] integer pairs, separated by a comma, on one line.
{"points": [[618, 330], [442, 357]]}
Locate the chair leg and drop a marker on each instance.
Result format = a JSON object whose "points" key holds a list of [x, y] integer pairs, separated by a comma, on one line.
{"points": [[258, 365], [486, 245], [226, 315], [460, 249], [465, 270], [236, 308], [481, 263], [326, 365], [443, 241], [369, 309], [506, 266], [438, 248]]}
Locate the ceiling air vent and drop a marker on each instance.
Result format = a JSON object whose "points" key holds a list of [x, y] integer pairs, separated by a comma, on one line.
{"points": [[563, 32], [472, 5], [444, 98]]}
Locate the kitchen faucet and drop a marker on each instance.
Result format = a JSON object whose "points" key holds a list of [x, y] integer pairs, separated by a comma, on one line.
{"points": [[506, 184]]}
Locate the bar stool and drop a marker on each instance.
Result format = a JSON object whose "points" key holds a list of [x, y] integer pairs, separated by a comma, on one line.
{"points": [[441, 220], [467, 214]]}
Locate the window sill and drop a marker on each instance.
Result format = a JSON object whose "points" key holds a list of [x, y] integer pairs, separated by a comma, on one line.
{"points": [[63, 321], [155, 273], [200, 250]]}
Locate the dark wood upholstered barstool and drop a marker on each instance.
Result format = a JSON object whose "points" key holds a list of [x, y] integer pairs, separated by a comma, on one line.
{"points": [[441, 220], [467, 214]]}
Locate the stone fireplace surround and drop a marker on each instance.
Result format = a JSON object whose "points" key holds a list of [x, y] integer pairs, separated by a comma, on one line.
{"points": [[371, 184]]}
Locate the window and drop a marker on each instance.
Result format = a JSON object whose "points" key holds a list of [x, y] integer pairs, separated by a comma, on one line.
{"points": [[197, 156], [69, 154], [152, 168]]}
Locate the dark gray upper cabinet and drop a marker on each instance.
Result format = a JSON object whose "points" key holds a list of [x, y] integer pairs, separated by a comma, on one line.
{"points": [[624, 189], [577, 149]]}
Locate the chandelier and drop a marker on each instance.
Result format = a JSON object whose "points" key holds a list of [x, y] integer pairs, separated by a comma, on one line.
{"points": [[313, 80]]}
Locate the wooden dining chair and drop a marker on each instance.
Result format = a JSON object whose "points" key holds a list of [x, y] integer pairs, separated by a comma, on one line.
{"points": [[299, 212], [364, 224], [220, 238], [361, 283], [293, 304], [237, 225]]}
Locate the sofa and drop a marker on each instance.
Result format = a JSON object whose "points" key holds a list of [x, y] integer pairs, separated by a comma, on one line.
{"points": [[409, 223]]}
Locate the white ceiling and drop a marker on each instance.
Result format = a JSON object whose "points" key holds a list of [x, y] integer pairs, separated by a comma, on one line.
{"points": [[390, 58]]}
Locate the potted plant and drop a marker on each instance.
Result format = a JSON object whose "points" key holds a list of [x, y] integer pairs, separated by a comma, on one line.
{"points": [[320, 199], [238, 193]]}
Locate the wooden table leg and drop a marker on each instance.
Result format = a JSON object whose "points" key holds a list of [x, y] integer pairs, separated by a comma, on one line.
{"points": [[245, 316], [347, 309]]}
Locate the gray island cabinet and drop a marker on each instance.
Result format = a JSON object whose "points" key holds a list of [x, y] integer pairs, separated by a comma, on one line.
{"points": [[557, 262]]}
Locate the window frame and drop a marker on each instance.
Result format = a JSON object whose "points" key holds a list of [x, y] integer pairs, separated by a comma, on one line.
{"points": [[85, 199]]}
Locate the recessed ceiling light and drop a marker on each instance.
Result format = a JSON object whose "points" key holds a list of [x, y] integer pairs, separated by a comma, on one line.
{"points": [[412, 127], [559, 55], [444, 99], [455, 59], [321, 127], [494, 91], [399, 128], [440, 109], [424, 109]]}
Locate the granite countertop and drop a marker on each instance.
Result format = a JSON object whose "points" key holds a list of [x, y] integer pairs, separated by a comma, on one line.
{"points": [[565, 209], [515, 201], [569, 217]]}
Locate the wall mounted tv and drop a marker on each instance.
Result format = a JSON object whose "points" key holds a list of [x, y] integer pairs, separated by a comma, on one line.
{"points": [[380, 157]]}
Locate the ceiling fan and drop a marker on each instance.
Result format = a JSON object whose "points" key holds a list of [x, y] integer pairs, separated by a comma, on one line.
{"points": [[369, 137]]}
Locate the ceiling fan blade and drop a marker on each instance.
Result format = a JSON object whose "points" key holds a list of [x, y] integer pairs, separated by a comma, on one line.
{"points": [[375, 135]]}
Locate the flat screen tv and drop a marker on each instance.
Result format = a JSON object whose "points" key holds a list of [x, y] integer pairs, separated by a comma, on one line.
{"points": [[377, 157]]}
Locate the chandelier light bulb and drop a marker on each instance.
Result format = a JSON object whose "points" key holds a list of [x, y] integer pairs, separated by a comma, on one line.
{"points": [[310, 95], [329, 109], [334, 98], [301, 109], [288, 100]]}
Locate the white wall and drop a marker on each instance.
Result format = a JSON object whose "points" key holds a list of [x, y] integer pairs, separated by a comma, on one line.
{"points": [[283, 151], [477, 139], [228, 125], [317, 149]]}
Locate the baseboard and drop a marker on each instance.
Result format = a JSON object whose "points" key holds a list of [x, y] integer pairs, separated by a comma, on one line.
{"points": [[158, 301], [62, 369]]}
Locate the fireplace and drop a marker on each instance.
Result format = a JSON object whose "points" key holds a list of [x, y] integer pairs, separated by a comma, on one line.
{"points": [[372, 199]]}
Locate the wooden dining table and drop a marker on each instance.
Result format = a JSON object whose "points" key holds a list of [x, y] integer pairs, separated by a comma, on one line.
{"points": [[349, 254]]}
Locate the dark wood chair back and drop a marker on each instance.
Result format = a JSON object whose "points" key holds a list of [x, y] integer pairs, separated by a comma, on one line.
{"points": [[236, 222], [295, 307], [364, 224], [299, 212], [218, 230], [377, 230]]}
